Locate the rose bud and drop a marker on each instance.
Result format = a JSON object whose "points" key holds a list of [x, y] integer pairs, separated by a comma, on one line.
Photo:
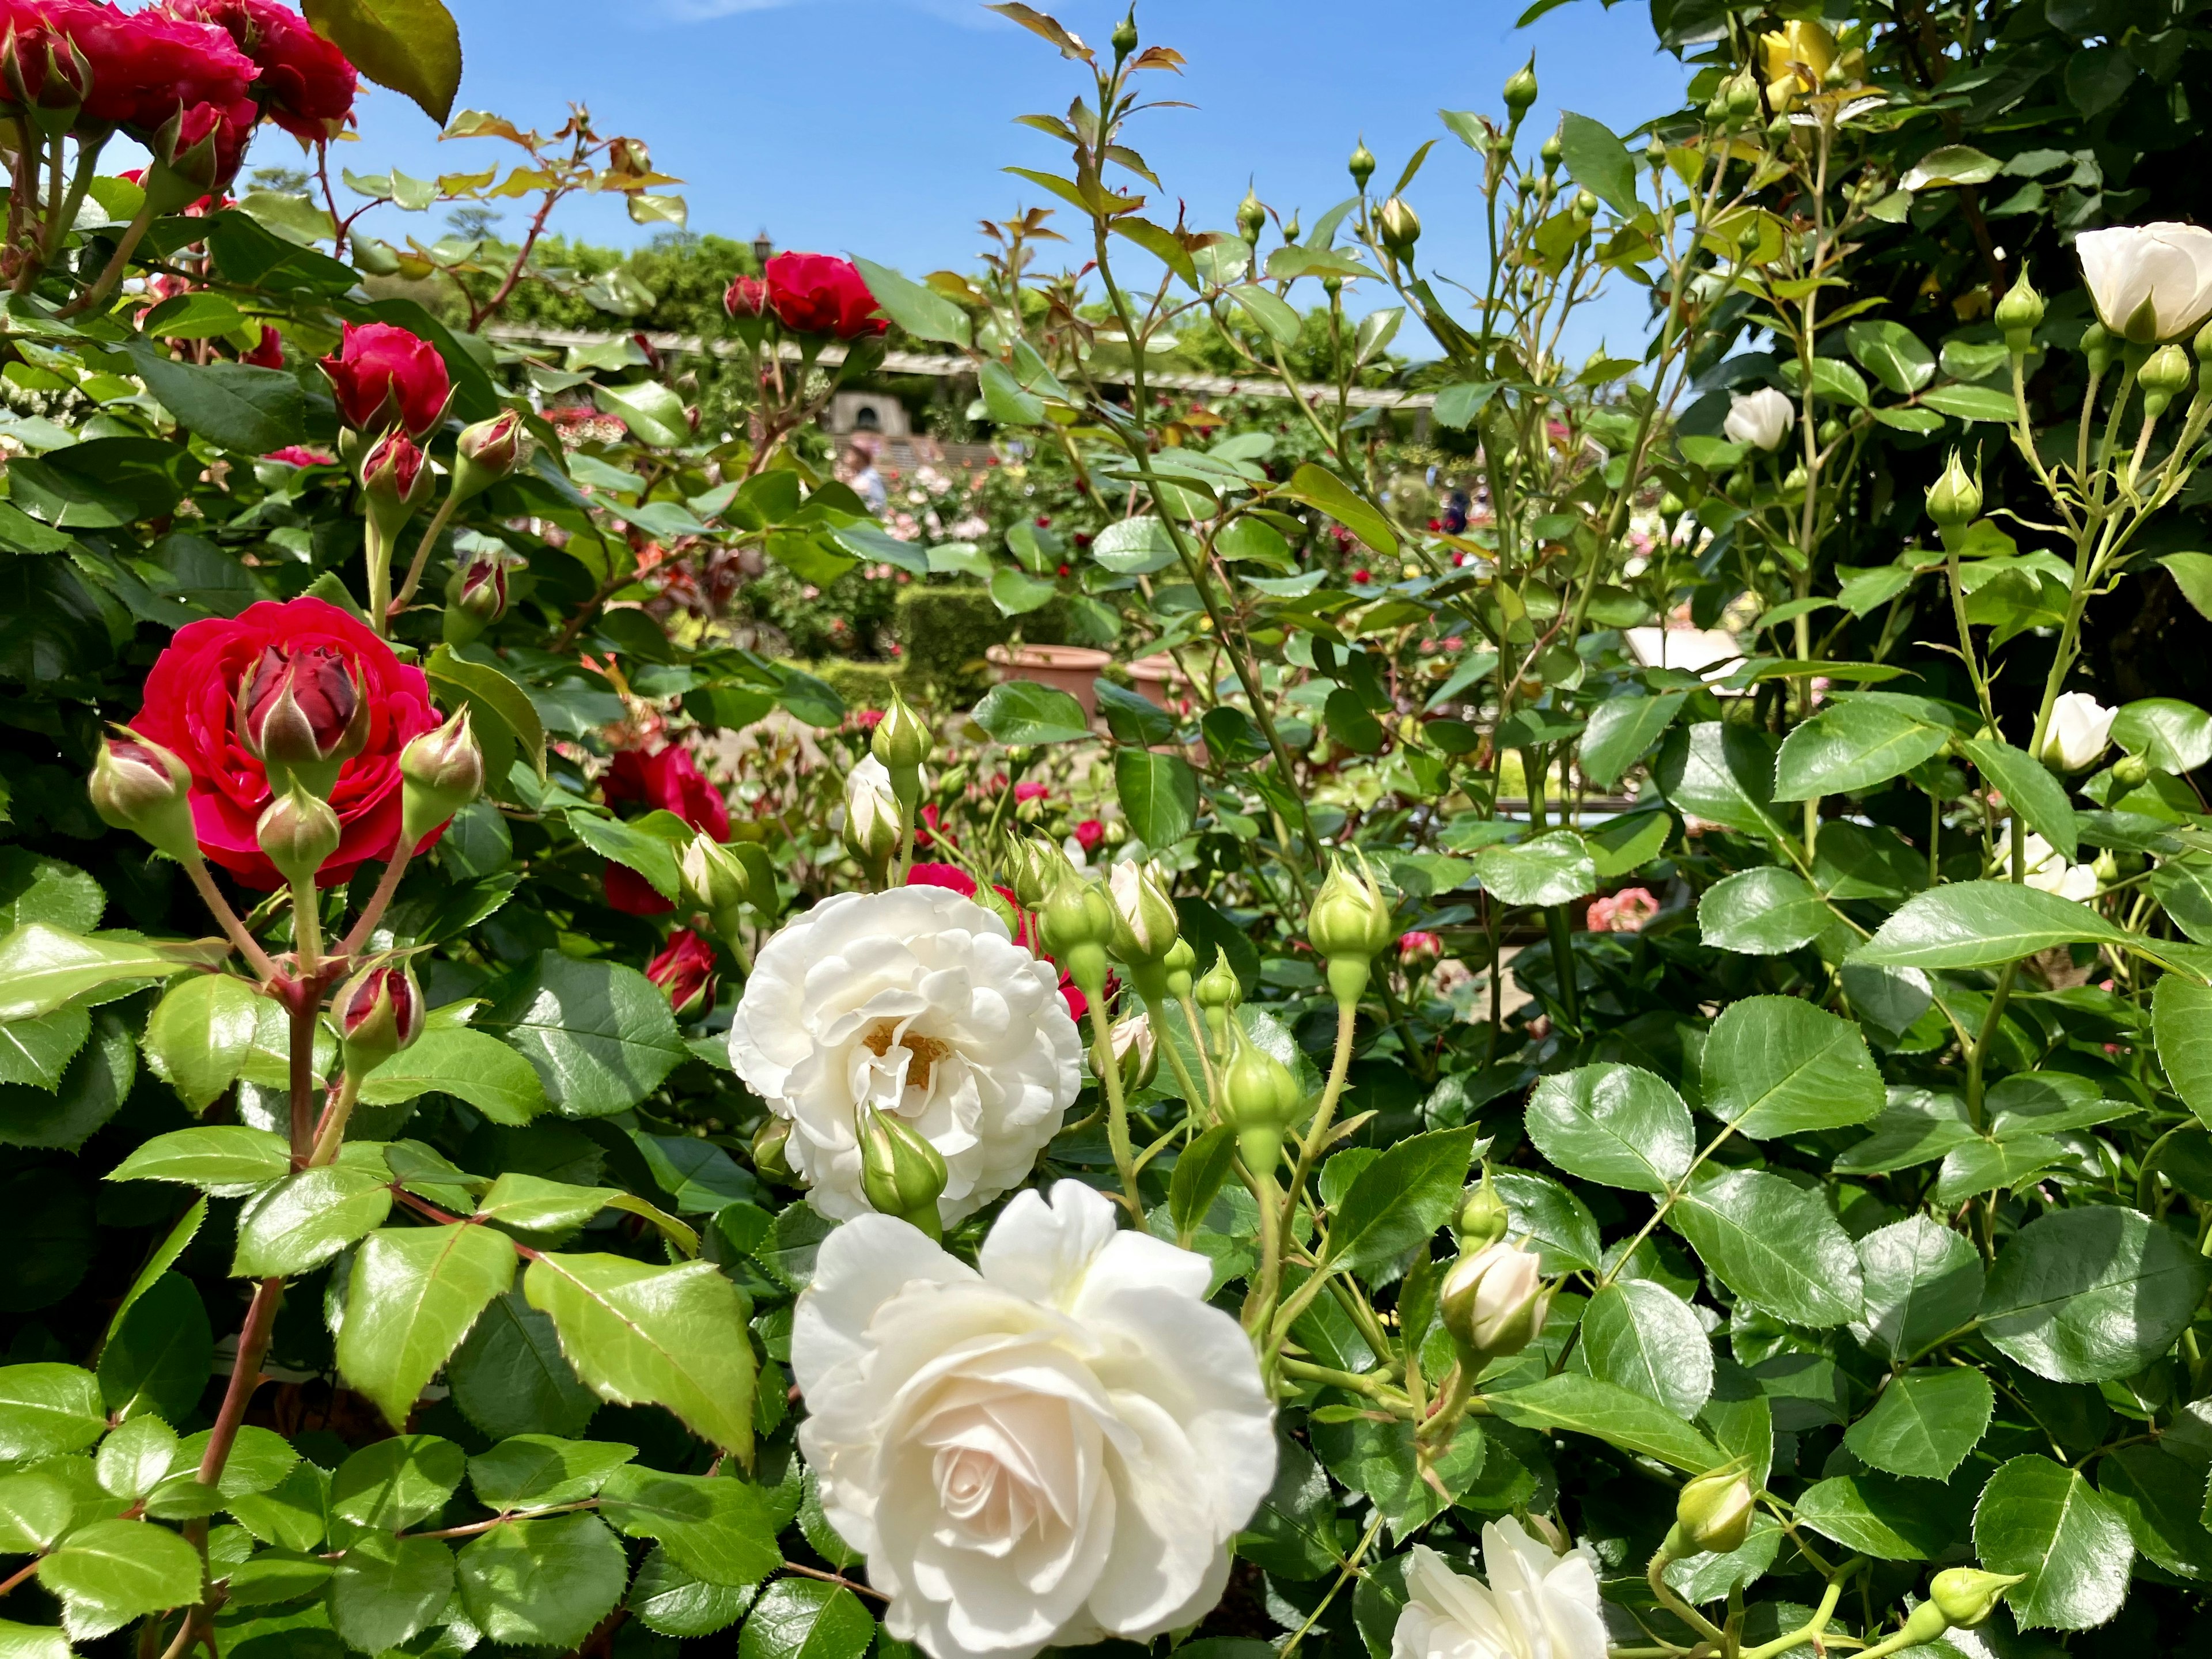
{"points": [[1967, 1595], [441, 772], [771, 1161], [1218, 991], [1493, 1304], [2080, 731], [1263, 1098], [487, 451], [48, 76], [476, 595], [1178, 964], [137, 785], [396, 479], [1400, 228], [385, 377], [872, 820], [686, 971], [901, 1173], [195, 153], [716, 881], [1144, 922], [301, 714], [1135, 1053], [1077, 923], [1033, 868], [1482, 1218], [2019, 313], [1348, 927], [298, 833], [380, 1012], [902, 743], [1712, 1517]]}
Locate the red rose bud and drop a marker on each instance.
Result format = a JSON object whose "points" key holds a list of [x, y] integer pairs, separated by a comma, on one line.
{"points": [[45, 74], [380, 1012], [486, 452], [815, 294], [384, 377], [195, 153], [746, 297], [476, 595], [301, 714], [137, 785], [439, 773], [298, 833], [685, 970]]}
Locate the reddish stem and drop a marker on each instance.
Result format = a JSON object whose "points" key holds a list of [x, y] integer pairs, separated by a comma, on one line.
{"points": [[244, 1377], [15, 1578], [301, 995]]}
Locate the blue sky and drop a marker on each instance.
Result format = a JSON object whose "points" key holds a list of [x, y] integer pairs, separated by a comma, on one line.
{"points": [[879, 126]]}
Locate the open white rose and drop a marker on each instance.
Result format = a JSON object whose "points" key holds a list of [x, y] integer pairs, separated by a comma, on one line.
{"points": [[2149, 282], [2047, 869], [2080, 728], [1761, 418], [916, 1002], [1053, 1450], [1538, 1605]]}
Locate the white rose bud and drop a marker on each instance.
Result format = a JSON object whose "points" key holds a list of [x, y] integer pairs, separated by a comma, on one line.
{"points": [[1494, 1301], [1761, 418], [873, 825], [2149, 282], [2081, 729]]}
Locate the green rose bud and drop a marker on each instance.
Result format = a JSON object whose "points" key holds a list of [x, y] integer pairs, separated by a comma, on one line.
{"points": [[1400, 226], [2019, 313], [299, 832], [1218, 991], [1521, 91], [1954, 500], [486, 452], [1361, 165], [439, 773], [1145, 925], [2163, 379], [1124, 38], [139, 786], [1077, 924], [476, 595], [2132, 771], [1262, 1098], [2201, 345], [1967, 1595], [1251, 216], [1713, 1513], [2097, 347], [1033, 869], [1549, 152], [1348, 927], [770, 1162], [901, 741], [874, 818], [715, 881], [1493, 1303], [1482, 1218], [901, 1173], [1584, 205], [1136, 1052], [1179, 962]]}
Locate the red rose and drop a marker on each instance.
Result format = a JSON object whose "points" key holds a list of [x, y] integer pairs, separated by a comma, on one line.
{"points": [[815, 294], [685, 970], [220, 132], [192, 696], [384, 377], [306, 86], [746, 297], [147, 66], [268, 351], [667, 780], [1088, 834], [1031, 791], [299, 455]]}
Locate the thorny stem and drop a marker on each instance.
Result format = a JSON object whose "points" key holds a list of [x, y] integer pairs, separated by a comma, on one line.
{"points": [[226, 919], [1117, 1109], [244, 1377], [415, 568]]}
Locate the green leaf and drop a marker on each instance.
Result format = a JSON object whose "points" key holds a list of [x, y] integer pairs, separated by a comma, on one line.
{"points": [[1383, 1460], [46, 1409], [1399, 1201], [1924, 1423], [1159, 795], [1552, 869], [1778, 1066], [272, 1578], [1616, 1124], [388, 1588], [670, 1601], [1200, 1172], [113, 1571], [2161, 1499], [2044, 1521], [2029, 789], [1878, 1515], [719, 1529], [1774, 1244], [35, 1053], [1017, 593], [2173, 736], [2091, 1295], [1923, 1282], [200, 1033], [600, 1035], [650, 855], [293, 1514], [1551, 1218], [133, 1460], [1640, 1335], [653, 412], [1622, 730], [805, 1618], [2181, 1019], [669, 1336], [227, 1159], [1630, 841], [410, 46], [532, 1204], [237, 405], [508, 1376], [1004, 400], [921, 311], [1971, 402], [102, 484], [41, 968], [1024, 712], [390, 1484], [466, 1064], [413, 1294], [1599, 162], [37, 889], [89, 1092], [32, 1641], [539, 1471], [1277, 319], [158, 1358], [35, 1509], [307, 1218], [1722, 772], [1140, 545], [1321, 489], [1893, 354], [1850, 746], [1764, 912], [544, 1583], [1983, 924], [1606, 1411], [501, 714]]}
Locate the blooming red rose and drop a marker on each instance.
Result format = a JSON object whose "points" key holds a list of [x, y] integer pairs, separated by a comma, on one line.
{"points": [[384, 377], [685, 970], [306, 85], [146, 66], [1030, 791], [192, 696], [206, 142], [667, 780], [815, 294]]}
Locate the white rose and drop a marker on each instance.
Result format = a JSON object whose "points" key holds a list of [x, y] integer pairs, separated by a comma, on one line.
{"points": [[2048, 870], [1761, 418], [2149, 282], [914, 1001], [1538, 1605], [1053, 1450], [2080, 728]]}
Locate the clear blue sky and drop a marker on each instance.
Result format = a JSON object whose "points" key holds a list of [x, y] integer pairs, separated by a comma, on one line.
{"points": [[879, 126]]}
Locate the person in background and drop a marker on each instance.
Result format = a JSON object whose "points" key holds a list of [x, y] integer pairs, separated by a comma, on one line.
{"points": [[859, 470]]}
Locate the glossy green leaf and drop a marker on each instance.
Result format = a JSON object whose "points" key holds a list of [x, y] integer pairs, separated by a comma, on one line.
{"points": [[544, 1583], [411, 47], [1880, 1515], [1774, 1244], [1923, 1282], [307, 1218], [1606, 1411], [1401, 1199], [804, 1619], [1024, 712], [112, 1571], [640, 1334], [135, 1458], [508, 1376], [531, 1204], [46, 1409], [293, 1514], [1924, 1423], [2044, 1521], [1557, 1224], [2181, 1017], [1381, 1461], [468, 1065], [539, 1471], [413, 1294], [2161, 1498], [600, 1035], [507, 723], [1599, 162], [34, 1053], [1850, 746], [719, 1529], [2029, 789], [41, 968], [35, 1509], [919, 310], [1325, 492], [1778, 1066], [237, 405], [2173, 736], [271, 1577], [1640, 1335], [159, 1357], [388, 1588], [1159, 795], [390, 1484], [90, 1090], [2089, 1295], [227, 1159], [1552, 869], [1720, 771], [1616, 1124], [1893, 354], [670, 1601], [200, 1033], [1983, 924], [1763, 911]]}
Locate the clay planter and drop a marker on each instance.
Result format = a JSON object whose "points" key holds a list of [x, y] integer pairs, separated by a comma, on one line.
{"points": [[1159, 679], [1069, 668]]}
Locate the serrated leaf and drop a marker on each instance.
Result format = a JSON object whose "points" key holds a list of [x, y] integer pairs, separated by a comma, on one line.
{"points": [[2044, 1522], [413, 1294], [1924, 1423], [1778, 1066], [1773, 1245], [2091, 1295], [1607, 1412], [411, 47], [1401, 1199], [1616, 1124], [307, 1218], [543, 1582]]}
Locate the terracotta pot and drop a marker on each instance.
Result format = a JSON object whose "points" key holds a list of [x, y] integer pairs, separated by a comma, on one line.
{"points": [[1069, 668], [1159, 679]]}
